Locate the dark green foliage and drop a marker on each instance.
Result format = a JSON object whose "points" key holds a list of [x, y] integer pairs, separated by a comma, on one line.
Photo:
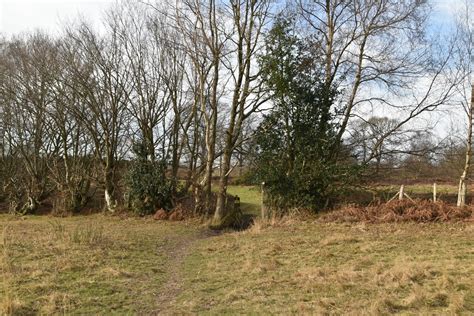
{"points": [[298, 157], [148, 187]]}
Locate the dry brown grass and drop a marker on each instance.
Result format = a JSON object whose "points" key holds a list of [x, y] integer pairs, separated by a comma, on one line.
{"points": [[317, 268], [401, 211], [287, 265], [275, 220]]}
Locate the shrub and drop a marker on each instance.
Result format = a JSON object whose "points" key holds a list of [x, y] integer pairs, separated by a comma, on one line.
{"points": [[148, 186], [299, 156]]}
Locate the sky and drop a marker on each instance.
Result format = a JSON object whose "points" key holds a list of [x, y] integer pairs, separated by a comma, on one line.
{"points": [[20, 16], [444, 12]]}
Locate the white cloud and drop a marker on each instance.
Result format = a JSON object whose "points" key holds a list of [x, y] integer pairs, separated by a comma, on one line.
{"points": [[19, 16], [449, 8]]}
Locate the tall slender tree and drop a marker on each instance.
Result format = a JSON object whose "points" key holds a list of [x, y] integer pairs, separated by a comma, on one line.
{"points": [[465, 90]]}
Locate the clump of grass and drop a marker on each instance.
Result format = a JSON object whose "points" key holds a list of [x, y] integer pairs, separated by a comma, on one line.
{"points": [[384, 306], [58, 229], [10, 306], [293, 217], [57, 303], [439, 300], [90, 235]]}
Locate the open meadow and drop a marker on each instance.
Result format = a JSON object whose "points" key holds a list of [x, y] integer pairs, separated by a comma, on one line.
{"points": [[109, 264], [250, 157]]}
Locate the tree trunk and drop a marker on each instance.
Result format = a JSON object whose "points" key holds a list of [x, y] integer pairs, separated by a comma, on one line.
{"points": [[210, 156], [462, 190], [211, 133], [109, 187], [207, 181], [221, 196], [175, 155], [241, 164]]}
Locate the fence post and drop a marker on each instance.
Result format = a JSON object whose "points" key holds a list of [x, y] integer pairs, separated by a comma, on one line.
{"points": [[400, 194], [263, 201], [434, 192]]}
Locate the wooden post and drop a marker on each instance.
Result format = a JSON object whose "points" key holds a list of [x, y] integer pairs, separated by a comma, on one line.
{"points": [[434, 192], [401, 193], [263, 201]]}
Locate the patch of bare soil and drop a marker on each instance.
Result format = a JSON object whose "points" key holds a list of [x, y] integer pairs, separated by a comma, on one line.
{"points": [[401, 211]]}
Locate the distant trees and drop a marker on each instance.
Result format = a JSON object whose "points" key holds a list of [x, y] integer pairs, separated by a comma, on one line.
{"points": [[185, 80], [376, 140]]}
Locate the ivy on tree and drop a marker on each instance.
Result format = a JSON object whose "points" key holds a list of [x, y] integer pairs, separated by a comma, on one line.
{"points": [[298, 156]]}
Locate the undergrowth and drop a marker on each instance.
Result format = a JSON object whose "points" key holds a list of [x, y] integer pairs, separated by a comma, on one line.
{"points": [[401, 211]]}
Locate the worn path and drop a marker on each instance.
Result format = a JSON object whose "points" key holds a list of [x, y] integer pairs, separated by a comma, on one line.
{"points": [[177, 256]]}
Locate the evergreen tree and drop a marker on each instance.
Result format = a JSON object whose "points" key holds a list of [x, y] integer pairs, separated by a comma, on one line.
{"points": [[296, 139], [148, 186]]}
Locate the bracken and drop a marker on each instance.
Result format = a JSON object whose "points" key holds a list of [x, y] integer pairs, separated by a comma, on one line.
{"points": [[401, 211]]}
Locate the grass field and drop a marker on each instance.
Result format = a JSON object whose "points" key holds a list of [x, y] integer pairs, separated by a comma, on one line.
{"points": [[250, 198], [423, 188], [84, 264], [316, 268], [107, 264]]}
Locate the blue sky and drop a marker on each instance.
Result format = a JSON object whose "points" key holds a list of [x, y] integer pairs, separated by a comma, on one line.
{"points": [[444, 12]]}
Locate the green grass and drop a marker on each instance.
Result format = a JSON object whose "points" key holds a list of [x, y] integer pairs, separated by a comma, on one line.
{"points": [[250, 198], [84, 265], [422, 188]]}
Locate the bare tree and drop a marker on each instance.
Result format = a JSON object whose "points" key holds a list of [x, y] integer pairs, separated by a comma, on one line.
{"points": [[465, 90], [148, 99], [249, 18], [27, 95], [378, 44], [174, 68], [102, 74], [73, 170], [204, 24]]}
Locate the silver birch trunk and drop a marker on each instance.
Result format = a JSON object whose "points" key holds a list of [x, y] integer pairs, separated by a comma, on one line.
{"points": [[462, 190]]}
